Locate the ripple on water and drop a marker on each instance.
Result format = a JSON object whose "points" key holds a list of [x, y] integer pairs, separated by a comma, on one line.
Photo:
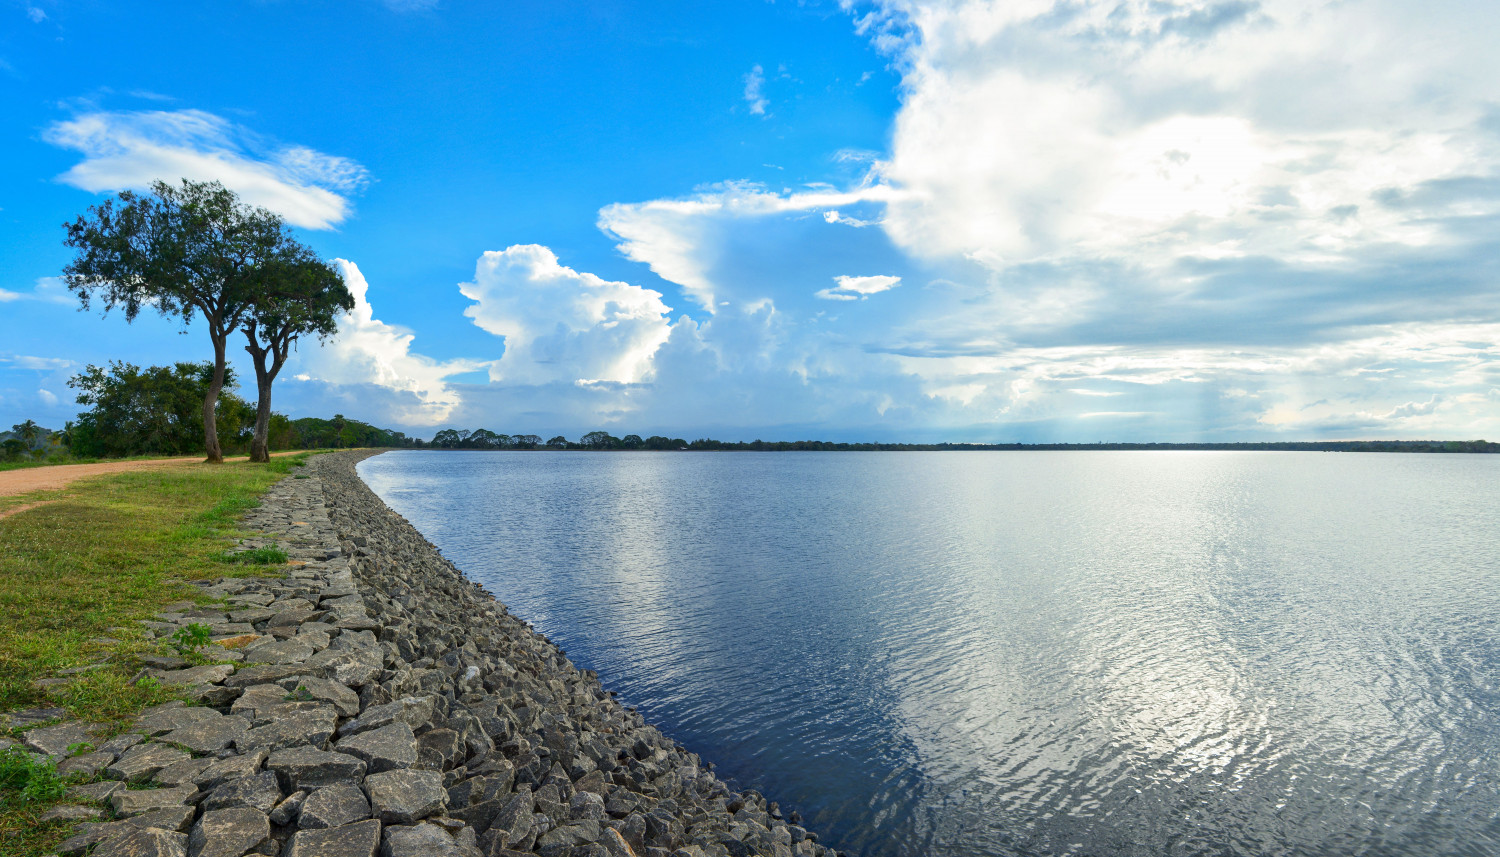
{"points": [[1026, 654]]}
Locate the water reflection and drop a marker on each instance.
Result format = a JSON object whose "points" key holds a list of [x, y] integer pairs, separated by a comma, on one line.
{"points": [[989, 654]]}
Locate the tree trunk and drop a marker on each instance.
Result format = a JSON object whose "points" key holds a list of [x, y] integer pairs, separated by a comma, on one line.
{"points": [[210, 403]]}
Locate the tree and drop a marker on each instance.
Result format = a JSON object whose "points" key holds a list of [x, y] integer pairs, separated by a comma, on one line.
{"points": [[186, 250], [558, 442], [299, 294], [28, 431], [598, 440], [152, 411]]}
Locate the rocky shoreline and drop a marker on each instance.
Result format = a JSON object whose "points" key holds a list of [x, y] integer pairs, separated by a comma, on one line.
{"points": [[376, 701]]}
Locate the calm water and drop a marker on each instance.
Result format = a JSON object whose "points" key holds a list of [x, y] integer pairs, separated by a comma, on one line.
{"points": [[1133, 653]]}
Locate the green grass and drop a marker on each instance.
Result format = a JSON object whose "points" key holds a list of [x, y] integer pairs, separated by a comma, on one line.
{"points": [[256, 556], [103, 553], [75, 574]]}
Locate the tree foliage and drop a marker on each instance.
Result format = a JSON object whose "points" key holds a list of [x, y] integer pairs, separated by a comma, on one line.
{"points": [[152, 411], [188, 251], [299, 295]]}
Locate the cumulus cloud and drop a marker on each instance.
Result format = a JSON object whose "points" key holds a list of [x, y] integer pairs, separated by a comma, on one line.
{"points": [[131, 149], [563, 325], [1153, 131], [36, 15], [858, 288], [755, 83], [413, 389]]}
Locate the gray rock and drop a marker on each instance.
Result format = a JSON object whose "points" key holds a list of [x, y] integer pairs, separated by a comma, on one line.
{"points": [[303, 728], [174, 715], [587, 805], [209, 735], [181, 773], [128, 802], [349, 667], [120, 743], [55, 740], [229, 832], [141, 762], [334, 806], [230, 768], [143, 842], [94, 791], [285, 814], [72, 812], [385, 749], [212, 674], [257, 791], [440, 749], [22, 719], [423, 840], [403, 797], [352, 840], [307, 768], [87, 764], [257, 697], [414, 711], [615, 844], [290, 651], [344, 700], [178, 818]]}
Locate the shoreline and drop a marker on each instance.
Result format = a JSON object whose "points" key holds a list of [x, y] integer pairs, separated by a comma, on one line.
{"points": [[378, 701]]}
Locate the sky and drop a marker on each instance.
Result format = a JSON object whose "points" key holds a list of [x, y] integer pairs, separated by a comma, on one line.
{"points": [[1036, 221]]}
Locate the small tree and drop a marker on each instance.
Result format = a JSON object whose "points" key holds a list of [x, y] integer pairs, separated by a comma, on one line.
{"points": [[188, 250], [28, 431], [299, 294]]}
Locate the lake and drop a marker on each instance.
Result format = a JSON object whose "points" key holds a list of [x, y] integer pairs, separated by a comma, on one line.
{"points": [[1036, 653]]}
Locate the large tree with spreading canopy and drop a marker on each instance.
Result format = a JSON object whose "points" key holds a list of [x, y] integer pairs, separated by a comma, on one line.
{"points": [[194, 250], [186, 251]]}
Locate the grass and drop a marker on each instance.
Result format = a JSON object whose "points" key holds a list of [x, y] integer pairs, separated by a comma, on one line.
{"points": [[75, 574]]}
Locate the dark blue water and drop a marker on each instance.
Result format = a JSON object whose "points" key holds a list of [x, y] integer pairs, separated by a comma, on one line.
{"points": [[1026, 653]]}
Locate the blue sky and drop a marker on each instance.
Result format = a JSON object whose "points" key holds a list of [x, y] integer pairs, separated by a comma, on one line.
{"points": [[960, 220]]}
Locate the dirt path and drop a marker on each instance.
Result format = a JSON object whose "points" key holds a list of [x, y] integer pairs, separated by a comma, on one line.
{"points": [[29, 479]]}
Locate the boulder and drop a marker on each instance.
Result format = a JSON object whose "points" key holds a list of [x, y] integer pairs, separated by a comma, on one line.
{"points": [[307, 768], [142, 762], [359, 839], [257, 791], [128, 802], [406, 796], [209, 735], [385, 749], [229, 832], [143, 842], [301, 729], [424, 840], [334, 806]]}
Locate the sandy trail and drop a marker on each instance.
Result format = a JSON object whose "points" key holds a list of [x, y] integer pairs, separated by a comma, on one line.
{"points": [[26, 480]]}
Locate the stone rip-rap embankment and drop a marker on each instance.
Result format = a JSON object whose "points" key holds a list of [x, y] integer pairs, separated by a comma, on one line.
{"points": [[381, 703]]}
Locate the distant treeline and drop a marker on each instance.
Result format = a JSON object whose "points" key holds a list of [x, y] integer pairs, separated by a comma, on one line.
{"points": [[599, 440]]}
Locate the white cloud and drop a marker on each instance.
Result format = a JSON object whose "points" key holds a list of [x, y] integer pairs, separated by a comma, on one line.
{"points": [[680, 238], [832, 295], [1157, 131], [755, 82], [48, 289], [867, 285], [36, 15], [563, 325], [48, 398], [370, 352], [132, 149]]}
